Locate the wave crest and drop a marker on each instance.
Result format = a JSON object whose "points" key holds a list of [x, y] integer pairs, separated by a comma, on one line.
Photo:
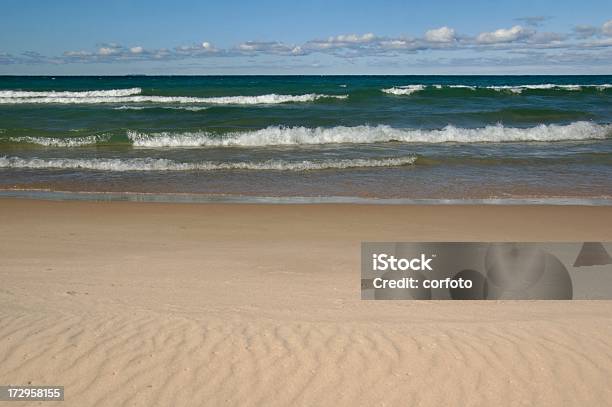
{"points": [[295, 136], [372, 134], [517, 89], [404, 90], [189, 108], [220, 100], [160, 164], [69, 94], [60, 142]]}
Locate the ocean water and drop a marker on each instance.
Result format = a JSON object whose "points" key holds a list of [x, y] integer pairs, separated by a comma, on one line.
{"points": [[394, 137]]}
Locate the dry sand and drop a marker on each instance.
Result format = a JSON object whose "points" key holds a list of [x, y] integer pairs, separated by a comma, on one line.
{"points": [[258, 305]]}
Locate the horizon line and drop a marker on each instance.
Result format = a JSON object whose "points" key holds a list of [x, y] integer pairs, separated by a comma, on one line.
{"points": [[286, 75]]}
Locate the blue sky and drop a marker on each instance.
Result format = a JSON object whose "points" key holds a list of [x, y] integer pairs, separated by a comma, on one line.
{"points": [[308, 37]]}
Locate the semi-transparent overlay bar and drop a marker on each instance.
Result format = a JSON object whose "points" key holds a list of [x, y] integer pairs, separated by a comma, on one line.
{"points": [[31, 393], [486, 270]]}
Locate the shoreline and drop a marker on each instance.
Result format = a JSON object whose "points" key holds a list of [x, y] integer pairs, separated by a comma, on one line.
{"points": [[177, 197], [355, 221]]}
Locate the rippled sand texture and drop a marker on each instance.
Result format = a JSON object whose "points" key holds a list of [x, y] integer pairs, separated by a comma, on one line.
{"points": [[154, 304]]}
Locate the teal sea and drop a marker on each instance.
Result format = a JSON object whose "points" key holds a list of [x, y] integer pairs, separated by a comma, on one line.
{"points": [[394, 137]]}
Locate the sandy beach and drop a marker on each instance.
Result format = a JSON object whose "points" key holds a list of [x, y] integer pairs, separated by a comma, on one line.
{"points": [[147, 304]]}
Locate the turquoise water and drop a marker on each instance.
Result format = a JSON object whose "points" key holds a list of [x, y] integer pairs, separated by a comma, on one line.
{"points": [[406, 137]]}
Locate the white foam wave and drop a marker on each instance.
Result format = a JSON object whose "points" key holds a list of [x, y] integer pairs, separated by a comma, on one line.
{"points": [[404, 90], [545, 86], [221, 100], [411, 89], [160, 164], [126, 107], [61, 94], [463, 87], [189, 108], [455, 87], [372, 134], [337, 135], [61, 142]]}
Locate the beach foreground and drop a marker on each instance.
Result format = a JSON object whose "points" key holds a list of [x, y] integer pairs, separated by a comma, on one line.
{"points": [[215, 304]]}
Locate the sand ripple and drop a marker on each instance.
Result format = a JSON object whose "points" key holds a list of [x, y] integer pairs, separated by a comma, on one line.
{"points": [[150, 359]]}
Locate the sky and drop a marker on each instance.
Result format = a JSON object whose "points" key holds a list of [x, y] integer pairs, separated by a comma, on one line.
{"points": [[187, 37]]}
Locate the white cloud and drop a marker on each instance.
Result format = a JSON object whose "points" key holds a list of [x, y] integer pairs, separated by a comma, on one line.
{"points": [[353, 38], [506, 42], [342, 41], [248, 46], [504, 35], [546, 38], [598, 43], [107, 51], [77, 54], [607, 27], [442, 34], [201, 49], [585, 31], [399, 44], [269, 47]]}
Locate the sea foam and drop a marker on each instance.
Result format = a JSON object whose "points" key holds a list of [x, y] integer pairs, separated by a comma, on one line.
{"points": [[8, 94], [221, 100], [404, 90], [188, 108], [371, 134], [517, 89], [295, 136], [160, 164], [60, 142]]}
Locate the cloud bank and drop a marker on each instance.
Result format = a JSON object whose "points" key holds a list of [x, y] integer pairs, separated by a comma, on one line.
{"points": [[522, 43]]}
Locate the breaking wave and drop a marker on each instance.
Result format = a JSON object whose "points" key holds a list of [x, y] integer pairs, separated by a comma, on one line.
{"points": [[160, 164], [404, 90], [189, 108], [371, 134], [295, 136], [548, 86], [516, 89], [60, 94], [59, 142], [222, 100]]}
